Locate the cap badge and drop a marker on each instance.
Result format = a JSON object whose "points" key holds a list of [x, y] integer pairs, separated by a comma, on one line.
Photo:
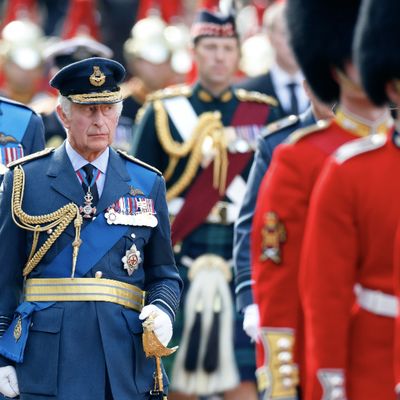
{"points": [[97, 78]]}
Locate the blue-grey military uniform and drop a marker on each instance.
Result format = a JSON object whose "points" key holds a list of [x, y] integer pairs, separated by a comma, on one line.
{"points": [[276, 133], [21, 132], [73, 345]]}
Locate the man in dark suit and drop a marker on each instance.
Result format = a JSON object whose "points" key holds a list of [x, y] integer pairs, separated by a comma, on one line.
{"points": [[284, 80], [77, 332]]}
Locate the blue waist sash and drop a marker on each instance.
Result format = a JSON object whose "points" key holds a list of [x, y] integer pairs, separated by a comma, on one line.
{"points": [[97, 239]]}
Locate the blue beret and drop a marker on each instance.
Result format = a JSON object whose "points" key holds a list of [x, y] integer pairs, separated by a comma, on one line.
{"points": [[92, 81]]}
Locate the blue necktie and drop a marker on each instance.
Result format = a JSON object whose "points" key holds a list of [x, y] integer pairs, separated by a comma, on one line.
{"points": [[88, 169]]}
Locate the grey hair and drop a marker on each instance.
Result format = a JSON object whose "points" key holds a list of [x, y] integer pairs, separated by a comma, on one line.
{"points": [[66, 105]]}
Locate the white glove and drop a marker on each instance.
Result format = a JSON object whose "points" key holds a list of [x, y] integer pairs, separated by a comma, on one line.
{"points": [[8, 382], [162, 322], [251, 322]]}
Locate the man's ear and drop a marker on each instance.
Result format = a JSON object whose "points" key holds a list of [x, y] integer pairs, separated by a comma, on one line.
{"points": [[392, 89], [63, 117]]}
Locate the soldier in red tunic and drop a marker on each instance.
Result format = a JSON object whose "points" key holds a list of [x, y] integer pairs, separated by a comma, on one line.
{"points": [[347, 266], [321, 35]]}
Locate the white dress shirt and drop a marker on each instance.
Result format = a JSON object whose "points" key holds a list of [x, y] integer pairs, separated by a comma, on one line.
{"points": [[280, 80]]}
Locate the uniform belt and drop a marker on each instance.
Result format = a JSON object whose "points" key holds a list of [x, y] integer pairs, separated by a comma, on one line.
{"points": [[84, 289], [222, 213], [377, 302]]}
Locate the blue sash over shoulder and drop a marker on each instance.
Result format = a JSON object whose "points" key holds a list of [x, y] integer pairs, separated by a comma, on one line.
{"points": [[98, 238]]}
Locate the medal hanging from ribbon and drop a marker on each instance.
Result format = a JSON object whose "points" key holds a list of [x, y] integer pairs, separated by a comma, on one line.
{"points": [[91, 197]]}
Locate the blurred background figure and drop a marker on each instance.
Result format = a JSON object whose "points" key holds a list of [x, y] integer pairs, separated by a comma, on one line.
{"points": [[282, 78], [156, 55], [21, 52]]}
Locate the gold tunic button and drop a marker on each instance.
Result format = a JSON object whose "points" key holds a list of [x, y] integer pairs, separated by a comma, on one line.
{"points": [[98, 274]]}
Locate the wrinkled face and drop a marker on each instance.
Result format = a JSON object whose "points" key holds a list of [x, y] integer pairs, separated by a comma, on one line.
{"points": [[217, 59], [90, 128]]}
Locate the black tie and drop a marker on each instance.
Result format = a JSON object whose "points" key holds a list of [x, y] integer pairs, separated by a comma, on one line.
{"points": [[88, 168], [294, 106]]}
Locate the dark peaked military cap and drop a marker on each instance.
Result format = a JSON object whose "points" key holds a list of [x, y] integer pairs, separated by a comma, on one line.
{"points": [[92, 81], [376, 46], [321, 35], [213, 24]]}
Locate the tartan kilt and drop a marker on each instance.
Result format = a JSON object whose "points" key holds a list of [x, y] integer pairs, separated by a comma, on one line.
{"points": [[216, 239]]}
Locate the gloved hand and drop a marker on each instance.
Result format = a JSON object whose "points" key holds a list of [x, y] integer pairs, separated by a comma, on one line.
{"points": [[8, 382], [251, 322], [162, 322]]}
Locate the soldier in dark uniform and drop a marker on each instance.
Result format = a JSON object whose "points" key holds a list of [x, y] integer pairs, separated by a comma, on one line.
{"points": [[22, 132], [203, 137], [86, 242]]}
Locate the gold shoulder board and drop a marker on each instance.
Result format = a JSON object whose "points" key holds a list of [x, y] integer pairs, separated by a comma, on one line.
{"points": [[359, 146], [137, 161], [245, 95], [171, 91], [308, 130], [30, 157], [280, 124]]}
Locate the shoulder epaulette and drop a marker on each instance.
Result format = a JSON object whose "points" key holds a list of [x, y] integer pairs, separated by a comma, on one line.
{"points": [[171, 91], [280, 124], [30, 157], [245, 95], [137, 161], [303, 132], [359, 146]]}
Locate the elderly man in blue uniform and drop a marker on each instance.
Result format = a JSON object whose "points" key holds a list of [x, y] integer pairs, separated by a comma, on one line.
{"points": [[274, 134], [204, 137], [89, 253], [21, 132]]}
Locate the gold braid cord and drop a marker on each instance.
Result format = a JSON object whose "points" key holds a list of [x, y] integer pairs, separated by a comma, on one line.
{"points": [[59, 220], [208, 127]]}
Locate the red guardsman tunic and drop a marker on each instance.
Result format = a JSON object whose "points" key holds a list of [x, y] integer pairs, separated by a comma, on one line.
{"points": [[277, 234], [348, 244]]}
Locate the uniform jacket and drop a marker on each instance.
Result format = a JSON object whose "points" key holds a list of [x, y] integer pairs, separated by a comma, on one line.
{"points": [[278, 227], [150, 150], [32, 137], [71, 345], [262, 159], [349, 240], [263, 84]]}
